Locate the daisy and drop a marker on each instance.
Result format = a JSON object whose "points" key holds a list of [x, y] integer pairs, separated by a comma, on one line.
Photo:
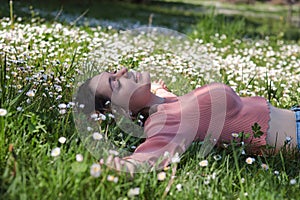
{"points": [[112, 178], [62, 106], [203, 163], [133, 192], [250, 160], [235, 135], [95, 170], [293, 181], [161, 176], [79, 158], [176, 158], [97, 136], [179, 187], [264, 166], [3, 112], [62, 140], [30, 93], [55, 152]]}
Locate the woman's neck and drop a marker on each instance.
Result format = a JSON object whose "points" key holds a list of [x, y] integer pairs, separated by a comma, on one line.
{"points": [[154, 101]]}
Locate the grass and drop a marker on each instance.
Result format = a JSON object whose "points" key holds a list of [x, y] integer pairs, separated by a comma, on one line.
{"points": [[44, 59]]}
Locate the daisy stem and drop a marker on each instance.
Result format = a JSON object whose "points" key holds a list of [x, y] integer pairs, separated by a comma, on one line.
{"points": [[11, 13], [2, 139], [236, 162], [174, 168]]}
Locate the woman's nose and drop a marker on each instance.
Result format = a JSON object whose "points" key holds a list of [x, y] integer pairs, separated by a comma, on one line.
{"points": [[121, 72]]}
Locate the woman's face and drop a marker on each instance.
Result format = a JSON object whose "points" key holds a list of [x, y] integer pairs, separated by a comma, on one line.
{"points": [[130, 90]]}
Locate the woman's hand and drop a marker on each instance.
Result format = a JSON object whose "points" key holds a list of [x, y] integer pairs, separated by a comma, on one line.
{"points": [[160, 84], [120, 164]]}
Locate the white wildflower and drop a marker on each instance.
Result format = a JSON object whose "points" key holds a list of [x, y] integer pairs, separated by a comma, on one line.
{"points": [[94, 116], [62, 111], [288, 139], [264, 166], [175, 158], [30, 93], [79, 158], [62, 140], [235, 135], [97, 136], [179, 187], [133, 192], [62, 106], [111, 116], [3, 112], [250, 160], [102, 117], [161, 176], [166, 154], [293, 181], [95, 170], [203, 163], [55, 152], [276, 172], [112, 178]]}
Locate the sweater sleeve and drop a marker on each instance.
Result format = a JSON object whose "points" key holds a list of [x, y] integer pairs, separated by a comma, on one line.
{"points": [[170, 131], [157, 151]]}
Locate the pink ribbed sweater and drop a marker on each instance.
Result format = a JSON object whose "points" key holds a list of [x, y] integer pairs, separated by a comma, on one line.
{"points": [[213, 111]]}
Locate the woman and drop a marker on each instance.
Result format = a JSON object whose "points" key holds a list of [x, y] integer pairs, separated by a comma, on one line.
{"points": [[213, 111]]}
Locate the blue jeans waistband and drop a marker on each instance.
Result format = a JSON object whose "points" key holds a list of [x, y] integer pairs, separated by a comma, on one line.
{"points": [[297, 114]]}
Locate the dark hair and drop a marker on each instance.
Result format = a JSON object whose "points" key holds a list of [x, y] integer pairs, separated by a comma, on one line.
{"points": [[92, 101]]}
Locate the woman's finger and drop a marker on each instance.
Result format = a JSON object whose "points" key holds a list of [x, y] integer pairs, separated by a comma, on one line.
{"points": [[117, 163], [109, 160], [130, 168]]}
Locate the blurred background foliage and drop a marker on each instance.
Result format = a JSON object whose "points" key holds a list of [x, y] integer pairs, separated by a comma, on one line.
{"points": [[197, 18]]}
